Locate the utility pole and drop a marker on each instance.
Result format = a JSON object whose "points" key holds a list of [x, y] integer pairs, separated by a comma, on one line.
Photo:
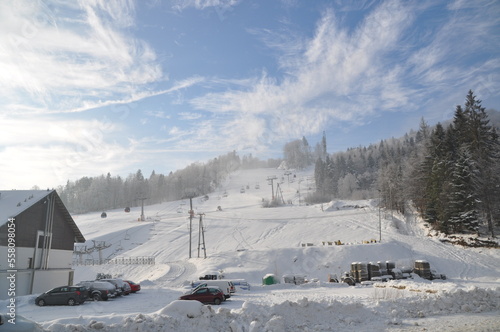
{"points": [[191, 215], [300, 180], [379, 223], [270, 180], [143, 218], [379, 218], [201, 233], [279, 193]]}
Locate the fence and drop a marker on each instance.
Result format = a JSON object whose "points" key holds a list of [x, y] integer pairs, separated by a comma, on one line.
{"points": [[138, 260]]}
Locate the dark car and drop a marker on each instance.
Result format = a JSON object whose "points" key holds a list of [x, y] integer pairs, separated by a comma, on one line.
{"points": [[69, 295], [134, 287], [205, 295], [122, 288], [99, 290]]}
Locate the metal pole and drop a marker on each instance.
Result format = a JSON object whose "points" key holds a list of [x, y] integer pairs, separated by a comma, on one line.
{"points": [[379, 218], [379, 223], [191, 212], [199, 236]]}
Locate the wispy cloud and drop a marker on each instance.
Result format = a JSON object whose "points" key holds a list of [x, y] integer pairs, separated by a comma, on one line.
{"points": [[54, 62], [203, 4], [334, 75], [343, 74], [189, 116]]}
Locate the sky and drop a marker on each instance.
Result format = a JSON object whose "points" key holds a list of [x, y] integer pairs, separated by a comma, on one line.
{"points": [[96, 86]]}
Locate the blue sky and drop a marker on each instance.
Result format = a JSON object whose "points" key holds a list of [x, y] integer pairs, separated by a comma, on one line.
{"points": [[91, 87]]}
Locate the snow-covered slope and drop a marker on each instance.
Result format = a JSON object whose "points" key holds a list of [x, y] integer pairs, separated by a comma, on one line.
{"points": [[245, 240]]}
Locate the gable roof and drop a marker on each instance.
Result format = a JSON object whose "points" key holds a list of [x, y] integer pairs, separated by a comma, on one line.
{"points": [[14, 202]]}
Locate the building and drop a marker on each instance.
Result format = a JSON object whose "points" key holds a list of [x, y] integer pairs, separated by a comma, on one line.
{"points": [[37, 237]]}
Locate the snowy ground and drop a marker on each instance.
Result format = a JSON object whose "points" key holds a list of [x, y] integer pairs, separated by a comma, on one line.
{"points": [[246, 241]]}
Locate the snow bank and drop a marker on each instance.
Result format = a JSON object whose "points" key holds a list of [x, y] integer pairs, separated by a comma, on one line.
{"points": [[306, 315], [183, 309]]}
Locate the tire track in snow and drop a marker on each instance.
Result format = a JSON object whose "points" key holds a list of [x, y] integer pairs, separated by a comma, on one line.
{"points": [[178, 273]]}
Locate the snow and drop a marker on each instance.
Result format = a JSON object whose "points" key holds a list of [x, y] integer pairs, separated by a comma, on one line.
{"points": [[13, 202], [246, 241]]}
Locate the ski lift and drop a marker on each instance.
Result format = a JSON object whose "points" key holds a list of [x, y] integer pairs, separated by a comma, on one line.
{"points": [[103, 215], [127, 209]]}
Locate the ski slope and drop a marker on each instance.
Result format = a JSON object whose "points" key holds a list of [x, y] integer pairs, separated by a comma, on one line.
{"points": [[243, 240]]}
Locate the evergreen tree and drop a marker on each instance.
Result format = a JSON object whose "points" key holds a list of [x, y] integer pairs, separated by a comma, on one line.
{"points": [[483, 143], [463, 210]]}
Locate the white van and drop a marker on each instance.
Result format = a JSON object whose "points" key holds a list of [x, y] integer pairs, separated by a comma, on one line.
{"points": [[241, 284], [226, 286]]}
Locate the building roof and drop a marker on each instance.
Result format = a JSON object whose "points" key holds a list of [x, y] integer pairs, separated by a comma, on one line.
{"points": [[13, 202]]}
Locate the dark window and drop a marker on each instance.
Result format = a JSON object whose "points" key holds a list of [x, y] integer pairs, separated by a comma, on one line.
{"points": [[41, 241]]}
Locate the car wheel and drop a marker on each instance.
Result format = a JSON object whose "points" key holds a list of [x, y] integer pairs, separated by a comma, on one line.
{"points": [[96, 297], [71, 302], [41, 303], [217, 301]]}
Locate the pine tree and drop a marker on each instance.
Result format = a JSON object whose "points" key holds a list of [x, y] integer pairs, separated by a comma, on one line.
{"points": [[484, 146], [434, 170], [463, 201]]}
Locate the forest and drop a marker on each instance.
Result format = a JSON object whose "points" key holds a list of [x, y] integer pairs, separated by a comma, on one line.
{"points": [[448, 173], [107, 192]]}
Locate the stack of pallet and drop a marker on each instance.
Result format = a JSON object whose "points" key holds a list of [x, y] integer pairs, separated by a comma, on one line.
{"points": [[423, 269]]}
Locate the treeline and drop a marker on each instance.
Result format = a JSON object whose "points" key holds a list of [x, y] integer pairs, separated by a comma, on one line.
{"points": [[111, 192], [455, 183], [451, 175]]}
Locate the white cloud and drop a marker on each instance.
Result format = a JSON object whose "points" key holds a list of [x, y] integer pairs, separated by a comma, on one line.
{"points": [[203, 4], [189, 116], [47, 152], [158, 114], [343, 74], [52, 61], [332, 78]]}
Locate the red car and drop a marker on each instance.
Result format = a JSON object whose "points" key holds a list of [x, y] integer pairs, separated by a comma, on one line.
{"points": [[133, 286], [205, 295]]}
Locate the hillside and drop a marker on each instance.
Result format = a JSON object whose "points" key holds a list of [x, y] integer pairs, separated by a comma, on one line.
{"points": [[245, 240]]}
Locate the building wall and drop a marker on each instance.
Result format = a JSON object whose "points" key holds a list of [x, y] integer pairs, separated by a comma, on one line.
{"points": [[58, 259], [33, 219], [44, 280], [59, 272]]}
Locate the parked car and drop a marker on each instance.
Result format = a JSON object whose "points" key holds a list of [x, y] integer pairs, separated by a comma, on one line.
{"points": [[437, 275], [69, 295], [241, 284], [122, 287], [205, 295], [99, 290], [226, 286], [21, 324], [134, 287]]}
